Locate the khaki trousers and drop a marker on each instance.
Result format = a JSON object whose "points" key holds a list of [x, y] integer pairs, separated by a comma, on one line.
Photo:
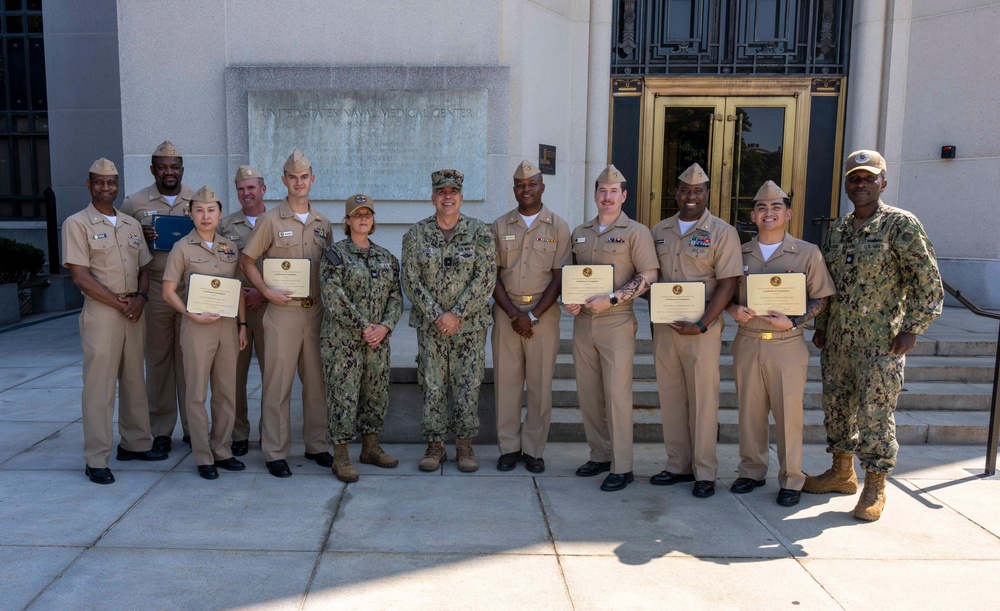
{"points": [[210, 353], [515, 361], [291, 340], [603, 355], [112, 353], [771, 375], [164, 366], [687, 378], [255, 343]]}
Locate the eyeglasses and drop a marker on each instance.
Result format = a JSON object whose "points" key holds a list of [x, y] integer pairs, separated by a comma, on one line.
{"points": [[363, 215]]}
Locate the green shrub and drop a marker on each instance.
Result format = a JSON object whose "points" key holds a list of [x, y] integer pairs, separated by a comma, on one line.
{"points": [[18, 261]]}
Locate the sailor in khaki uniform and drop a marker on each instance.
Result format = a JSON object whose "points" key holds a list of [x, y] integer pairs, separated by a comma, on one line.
{"points": [[532, 246], [770, 355], [237, 228], [107, 258], [210, 343], [693, 246], [164, 369], [604, 330], [293, 230]]}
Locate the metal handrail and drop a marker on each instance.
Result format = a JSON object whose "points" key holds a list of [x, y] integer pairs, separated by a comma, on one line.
{"points": [[994, 430]]}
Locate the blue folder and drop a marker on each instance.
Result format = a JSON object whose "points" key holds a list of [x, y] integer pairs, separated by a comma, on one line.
{"points": [[169, 229]]}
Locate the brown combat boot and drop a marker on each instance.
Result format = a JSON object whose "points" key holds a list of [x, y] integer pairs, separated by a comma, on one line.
{"points": [[872, 500], [342, 466], [433, 457], [465, 456], [838, 478], [373, 454]]}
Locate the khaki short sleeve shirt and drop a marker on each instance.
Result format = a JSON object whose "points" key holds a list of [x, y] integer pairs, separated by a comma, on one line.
{"points": [[191, 255], [707, 252], [114, 254], [279, 234], [148, 203], [625, 244], [527, 256]]}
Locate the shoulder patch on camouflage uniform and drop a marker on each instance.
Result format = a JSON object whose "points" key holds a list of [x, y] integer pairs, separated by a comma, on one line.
{"points": [[333, 257]]}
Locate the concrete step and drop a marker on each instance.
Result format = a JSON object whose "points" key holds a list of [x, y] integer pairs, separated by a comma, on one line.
{"points": [[921, 396], [918, 368], [912, 427]]}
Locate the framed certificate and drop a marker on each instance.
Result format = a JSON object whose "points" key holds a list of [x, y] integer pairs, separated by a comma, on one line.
{"points": [[581, 282], [213, 294], [288, 275], [169, 229], [676, 301], [785, 293]]}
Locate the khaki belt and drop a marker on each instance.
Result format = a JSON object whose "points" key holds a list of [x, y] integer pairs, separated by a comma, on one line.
{"points": [[769, 335]]}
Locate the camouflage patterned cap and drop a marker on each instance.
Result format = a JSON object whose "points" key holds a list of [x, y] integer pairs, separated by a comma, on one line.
{"points": [[526, 170], [166, 149], [205, 195], [104, 167], [768, 191], [247, 171], [694, 175], [355, 202], [447, 178], [870, 161], [610, 175], [297, 162]]}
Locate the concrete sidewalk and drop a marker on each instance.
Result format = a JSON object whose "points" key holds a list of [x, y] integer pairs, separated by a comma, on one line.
{"points": [[163, 538]]}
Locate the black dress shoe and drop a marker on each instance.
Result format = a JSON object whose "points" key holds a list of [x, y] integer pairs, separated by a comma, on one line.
{"points": [[788, 498], [508, 461], [230, 464], [743, 485], [100, 476], [148, 455], [186, 439], [534, 465], [322, 459], [208, 471], [240, 448], [616, 481], [592, 468], [162, 443], [703, 489], [278, 468], [666, 478]]}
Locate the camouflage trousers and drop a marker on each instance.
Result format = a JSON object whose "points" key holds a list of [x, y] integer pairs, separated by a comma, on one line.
{"points": [[454, 364], [860, 388], [357, 386]]}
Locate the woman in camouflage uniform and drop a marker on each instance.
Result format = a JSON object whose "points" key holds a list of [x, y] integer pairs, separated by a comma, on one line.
{"points": [[362, 303]]}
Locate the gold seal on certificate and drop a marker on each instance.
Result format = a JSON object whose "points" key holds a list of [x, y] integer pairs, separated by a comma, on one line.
{"points": [[785, 293], [288, 275], [675, 301], [581, 282], [213, 294]]}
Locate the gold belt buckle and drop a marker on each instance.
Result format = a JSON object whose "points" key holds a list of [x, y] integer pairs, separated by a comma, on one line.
{"points": [[307, 302], [765, 335], [525, 298]]}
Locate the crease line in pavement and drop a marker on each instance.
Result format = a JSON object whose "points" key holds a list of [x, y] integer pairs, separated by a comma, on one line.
{"points": [[325, 546], [552, 542]]}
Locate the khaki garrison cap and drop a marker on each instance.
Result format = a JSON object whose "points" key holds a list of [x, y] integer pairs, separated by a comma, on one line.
{"points": [[526, 170], [355, 202], [610, 175], [447, 178], [166, 149], [769, 191], [104, 167], [694, 175], [871, 161], [247, 171], [205, 195], [297, 162]]}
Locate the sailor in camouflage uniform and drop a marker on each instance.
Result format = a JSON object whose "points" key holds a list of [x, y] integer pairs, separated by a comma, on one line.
{"points": [[888, 291], [449, 271], [362, 303]]}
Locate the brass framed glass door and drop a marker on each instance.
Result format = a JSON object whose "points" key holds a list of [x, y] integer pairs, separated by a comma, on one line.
{"points": [[740, 141]]}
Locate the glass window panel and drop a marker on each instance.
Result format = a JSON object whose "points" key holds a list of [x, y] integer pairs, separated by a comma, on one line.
{"points": [[43, 178], [6, 208], [22, 123], [16, 78], [680, 19], [22, 167], [15, 25], [5, 167], [42, 123], [34, 5], [36, 70], [35, 24], [759, 154], [687, 133], [12, 5]]}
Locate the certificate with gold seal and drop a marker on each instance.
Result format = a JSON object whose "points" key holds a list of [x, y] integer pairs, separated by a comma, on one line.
{"points": [[211, 294], [288, 275], [785, 293], [581, 282], [676, 301]]}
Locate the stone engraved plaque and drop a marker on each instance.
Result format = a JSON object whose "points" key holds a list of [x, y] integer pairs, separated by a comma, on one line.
{"points": [[381, 143]]}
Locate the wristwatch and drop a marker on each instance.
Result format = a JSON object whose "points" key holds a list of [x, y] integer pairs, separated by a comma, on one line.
{"points": [[701, 326], [534, 319], [795, 323], [614, 300]]}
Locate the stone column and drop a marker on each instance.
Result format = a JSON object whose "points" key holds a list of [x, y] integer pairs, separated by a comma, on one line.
{"points": [[598, 98]]}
